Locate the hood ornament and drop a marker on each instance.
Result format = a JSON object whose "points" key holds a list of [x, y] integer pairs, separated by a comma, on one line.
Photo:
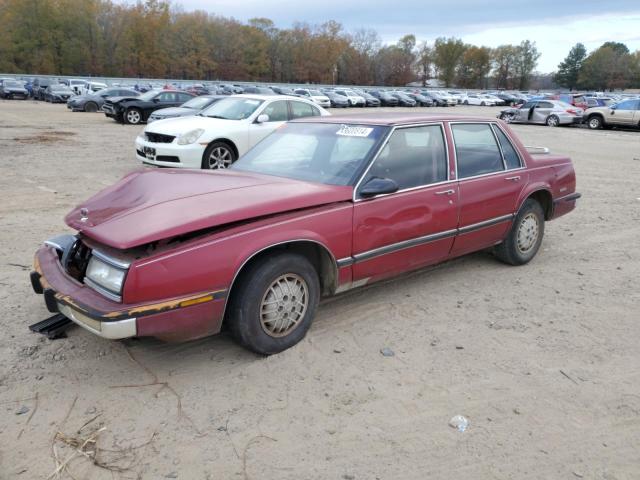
{"points": [[84, 214]]}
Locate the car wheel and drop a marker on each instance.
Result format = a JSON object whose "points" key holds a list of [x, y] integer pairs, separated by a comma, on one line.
{"points": [[507, 117], [524, 238], [466, 102], [482, 104], [133, 116], [552, 121], [595, 123], [218, 155], [91, 107], [275, 303]]}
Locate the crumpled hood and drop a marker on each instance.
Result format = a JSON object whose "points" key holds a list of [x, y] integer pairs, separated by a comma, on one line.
{"points": [[119, 99], [150, 205]]}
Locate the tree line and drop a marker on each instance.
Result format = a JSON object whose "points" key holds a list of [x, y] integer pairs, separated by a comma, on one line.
{"points": [[609, 67], [158, 39]]}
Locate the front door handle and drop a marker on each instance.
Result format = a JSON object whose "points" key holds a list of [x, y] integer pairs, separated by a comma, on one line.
{"points": [[513, 179], [446, 192]]}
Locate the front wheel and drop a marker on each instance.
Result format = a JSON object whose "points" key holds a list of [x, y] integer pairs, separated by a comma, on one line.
{"points": [[133, 116], [524, 238], [507, 117], [275, 303], [552, 121], [91, 107], [595, 123], [218, 155]]}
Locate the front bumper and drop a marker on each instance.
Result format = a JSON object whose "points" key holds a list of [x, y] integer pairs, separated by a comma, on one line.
{"points": [[169, 154], [177, 319]]}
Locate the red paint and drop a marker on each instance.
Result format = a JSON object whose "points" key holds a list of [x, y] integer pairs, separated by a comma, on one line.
{"points": [[241, 214]]}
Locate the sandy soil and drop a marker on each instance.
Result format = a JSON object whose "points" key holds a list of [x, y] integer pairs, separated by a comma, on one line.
{"points": [[542, 359]]}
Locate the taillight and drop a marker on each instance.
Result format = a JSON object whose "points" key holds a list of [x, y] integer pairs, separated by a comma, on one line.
{"points": [[572, 111]]}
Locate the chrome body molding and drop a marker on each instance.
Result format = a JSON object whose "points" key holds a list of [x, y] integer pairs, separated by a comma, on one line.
{"points": [[112, 330], [572, 197], [394, 247], [486, 223]]}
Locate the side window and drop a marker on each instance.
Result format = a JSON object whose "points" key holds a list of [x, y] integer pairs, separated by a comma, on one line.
{"points": [[167, 97], [545, 105], [528, 105], [413, 157], [316, 111], [277, 111], [299, 110], [627, 105], [511, 157], [476, 150], [183, 97]]}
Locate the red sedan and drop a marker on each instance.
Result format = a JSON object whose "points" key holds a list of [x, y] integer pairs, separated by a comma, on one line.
{"points": [[321, 206]]}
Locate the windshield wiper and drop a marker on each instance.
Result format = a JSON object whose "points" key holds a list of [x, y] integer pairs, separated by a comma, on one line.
{"points": [[217, 116]]}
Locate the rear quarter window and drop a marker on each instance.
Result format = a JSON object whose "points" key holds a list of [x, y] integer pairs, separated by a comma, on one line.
{"points": [[511, 157]]}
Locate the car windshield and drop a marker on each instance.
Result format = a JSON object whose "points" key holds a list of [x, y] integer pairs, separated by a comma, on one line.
{"points": [[146, 97], [328, 153], [233, 108], [12, 84], [198, 103], [316, 93]]}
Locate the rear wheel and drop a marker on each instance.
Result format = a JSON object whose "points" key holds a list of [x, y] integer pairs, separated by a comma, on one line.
{"points": [[218, 155], [524, 238], [133, 116], [91, 107], [275, 303], [552, 121], [595, 123]]}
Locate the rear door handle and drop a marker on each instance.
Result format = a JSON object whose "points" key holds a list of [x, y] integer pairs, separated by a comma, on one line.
{"points": [[513, 179], [446, 192]]}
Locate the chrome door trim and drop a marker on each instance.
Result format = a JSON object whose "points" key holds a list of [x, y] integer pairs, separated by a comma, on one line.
{"points": [[485, 223], [394, 247]]}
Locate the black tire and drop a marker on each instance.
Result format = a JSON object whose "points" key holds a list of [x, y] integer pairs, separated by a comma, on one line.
{"points": [[521, 245], [595, 122], [91, 107], [132, 116], [218, 155], [482, 104], [552, 121], [258, 331]]}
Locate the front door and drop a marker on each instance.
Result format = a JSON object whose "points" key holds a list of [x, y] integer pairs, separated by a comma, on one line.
{"points": [[416, 225], [278, 114]]}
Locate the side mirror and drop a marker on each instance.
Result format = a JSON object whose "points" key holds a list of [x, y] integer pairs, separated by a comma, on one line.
{"points": [[262, 118], [378, 186], [613, 107]]}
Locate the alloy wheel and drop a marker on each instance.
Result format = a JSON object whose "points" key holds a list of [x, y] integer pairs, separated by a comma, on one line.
{"points": [[220, 157]]}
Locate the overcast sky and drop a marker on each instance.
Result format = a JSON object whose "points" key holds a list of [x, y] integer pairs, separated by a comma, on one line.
{"points": [[555, 25]]}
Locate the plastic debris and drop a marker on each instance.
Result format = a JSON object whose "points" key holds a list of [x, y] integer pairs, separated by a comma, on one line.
{"points": [[387, 352], [459, 422]]}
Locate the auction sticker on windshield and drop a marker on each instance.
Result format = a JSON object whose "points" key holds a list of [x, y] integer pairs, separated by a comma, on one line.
{"points": [[350, 131]]}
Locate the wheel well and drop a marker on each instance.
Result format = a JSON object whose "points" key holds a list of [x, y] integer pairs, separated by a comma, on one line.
{"points": [[596, 115], [543, 197], [228, 142], [321, 259]]}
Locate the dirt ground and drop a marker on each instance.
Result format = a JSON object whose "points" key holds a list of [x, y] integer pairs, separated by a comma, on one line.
{"points": [[543, 360]]}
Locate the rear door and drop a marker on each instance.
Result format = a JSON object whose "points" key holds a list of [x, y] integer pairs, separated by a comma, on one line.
{"points": [[414, 226], [490, 178]]}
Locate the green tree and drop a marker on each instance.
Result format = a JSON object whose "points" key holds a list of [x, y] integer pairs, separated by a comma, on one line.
{"points": [[424, 62], [569, 69], [448, 53], [526, 60], [607, 68], [474, 67]]}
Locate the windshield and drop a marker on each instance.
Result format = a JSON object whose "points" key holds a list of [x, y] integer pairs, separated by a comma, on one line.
{"points": [[146, 97], [12, 84], [316, 93], [316, 152], [235, 108], [198, 103]]}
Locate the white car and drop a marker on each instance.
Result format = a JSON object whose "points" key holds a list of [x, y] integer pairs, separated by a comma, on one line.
{"points": [[477, 99], [450, 99], [220, 134], [315, 96], [90, 88], [354, 99]]}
